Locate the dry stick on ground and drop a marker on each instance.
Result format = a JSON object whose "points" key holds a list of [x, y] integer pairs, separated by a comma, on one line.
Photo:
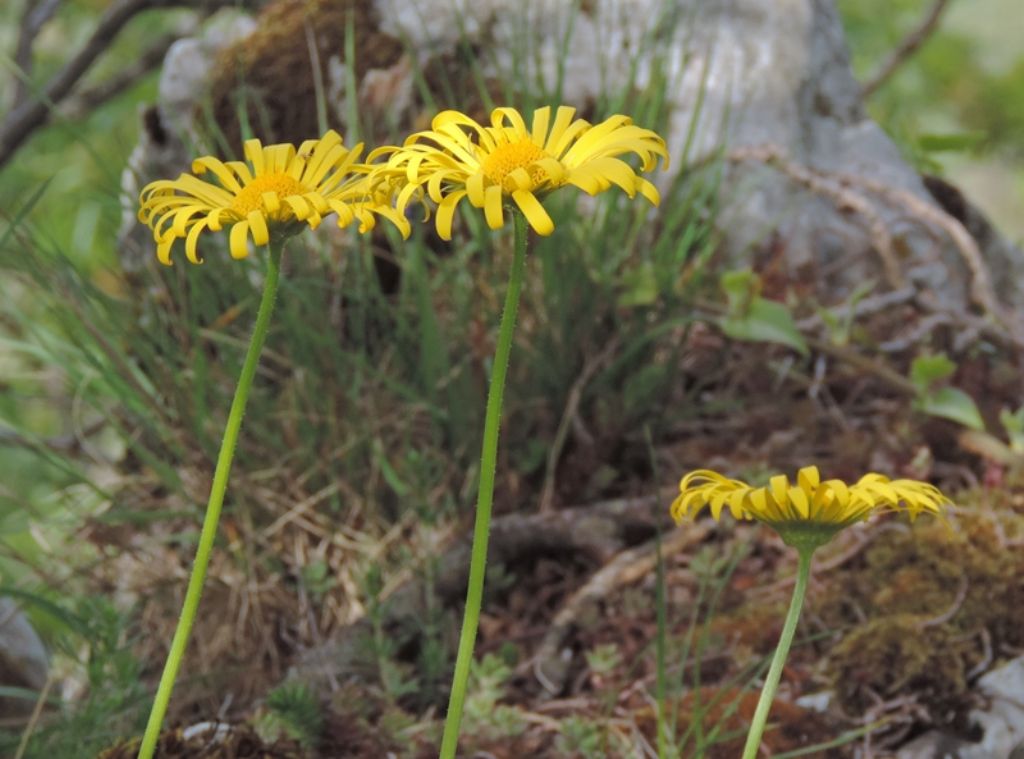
{"points": [[599, 532], [550, 667], [907, 47]]}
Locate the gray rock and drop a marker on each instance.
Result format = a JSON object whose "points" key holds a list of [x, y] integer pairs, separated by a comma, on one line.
{"points": [[24, 662], [809, 174], [811, 183], [1001, 722]]}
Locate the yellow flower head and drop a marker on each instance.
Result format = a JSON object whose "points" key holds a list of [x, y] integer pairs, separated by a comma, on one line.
{"points": [[809, 506], [276, 192], [459, 158]]}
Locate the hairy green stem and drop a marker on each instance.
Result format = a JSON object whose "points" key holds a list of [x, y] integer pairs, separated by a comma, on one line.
{"points": [[212, 517], [771, 683], [485, 496]]}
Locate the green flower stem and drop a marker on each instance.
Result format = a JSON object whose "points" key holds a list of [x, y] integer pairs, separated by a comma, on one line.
{"points": [[771, 683], [220, 482], [485, 495]]}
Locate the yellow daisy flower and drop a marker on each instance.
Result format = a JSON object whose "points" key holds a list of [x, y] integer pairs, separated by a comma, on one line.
{"points": [[810, 503], [459, 158], [276, 192]]}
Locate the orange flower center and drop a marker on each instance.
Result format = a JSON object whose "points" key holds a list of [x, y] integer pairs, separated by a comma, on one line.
{"points": [[251, 196], [505, 159]]}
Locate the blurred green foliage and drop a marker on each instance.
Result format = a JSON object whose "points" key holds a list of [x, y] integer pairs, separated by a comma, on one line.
{"points": [[960, 97]]}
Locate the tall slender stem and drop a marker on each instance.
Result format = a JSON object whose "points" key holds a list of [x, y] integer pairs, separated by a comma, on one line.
{"points": [[485, 495], [213, 507], [771, 683]]}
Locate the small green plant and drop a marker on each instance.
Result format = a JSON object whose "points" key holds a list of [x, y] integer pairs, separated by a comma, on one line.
{"points": [[604, 659], [1013, 424], [751, 317], [583, 738], [294, 711], [485, 717], [930, 374]]}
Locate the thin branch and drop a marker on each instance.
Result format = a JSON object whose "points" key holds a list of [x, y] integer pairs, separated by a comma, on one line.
{"points": [[907, 47], [28, 116], [92, 97], [37, 13]]}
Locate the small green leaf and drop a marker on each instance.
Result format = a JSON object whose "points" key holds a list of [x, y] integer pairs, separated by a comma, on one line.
{"points": [[767, 322], [953, 404], [1013, 423], [739, 286], [927, 370], [640, 288]]}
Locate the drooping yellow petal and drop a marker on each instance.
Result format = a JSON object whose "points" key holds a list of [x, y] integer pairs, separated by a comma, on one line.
{"points": [[445, 213], [192, 239], [492, 207], [239, 240], [534, 212]]}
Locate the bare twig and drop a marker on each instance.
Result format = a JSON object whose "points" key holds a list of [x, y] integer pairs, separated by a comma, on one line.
{"points": [[37, 13], [33, 720], [830, 187], [907, 47], [549, 666], [857, 192], [982, 290], [92, 97], [34, 112]]}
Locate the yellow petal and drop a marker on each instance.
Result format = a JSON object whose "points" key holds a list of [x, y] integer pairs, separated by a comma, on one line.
{"points": [[258, 226], [799, 502], [560, 140], [226, 178], [534, 212], [500, 115], [475, 188], [299, 206], [238, 240], [492, 207], [808, 478], [271, 202], [780, 488], [649, 191], [192, 239], [541, 118], [163, 250], [240, 169], [254, 154], [445, 212]]}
